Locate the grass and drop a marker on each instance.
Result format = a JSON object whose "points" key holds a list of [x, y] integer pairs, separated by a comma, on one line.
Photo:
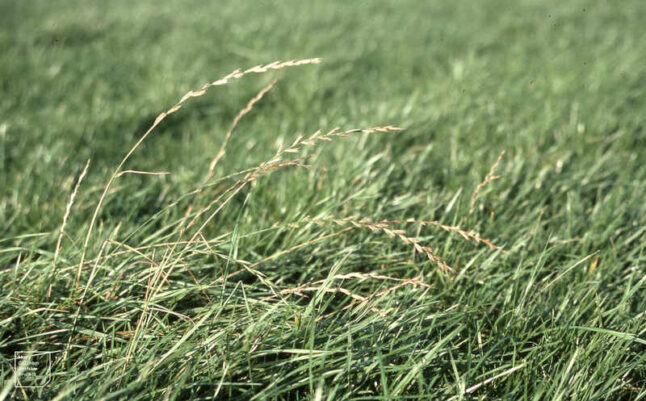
{"points": [[259, 252]]}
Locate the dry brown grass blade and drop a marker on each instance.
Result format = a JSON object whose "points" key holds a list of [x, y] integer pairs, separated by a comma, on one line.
{"points": [[488, 178], [139, 172], [237, 74]]}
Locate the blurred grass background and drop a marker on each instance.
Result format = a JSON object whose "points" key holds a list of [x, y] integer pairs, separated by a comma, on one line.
{"points": [[83, 80]]}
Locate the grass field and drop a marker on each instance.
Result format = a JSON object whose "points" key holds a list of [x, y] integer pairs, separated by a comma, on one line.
{"points": [[494, 248]]}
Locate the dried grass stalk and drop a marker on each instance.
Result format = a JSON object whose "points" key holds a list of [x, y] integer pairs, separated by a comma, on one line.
{"points": [[236, 120], [275, 163], [488, 178], [464, 234], [68, 209], [392, 233], [236, 74]]}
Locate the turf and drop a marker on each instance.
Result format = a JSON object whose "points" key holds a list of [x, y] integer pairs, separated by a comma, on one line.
{"points": [[407, 264]]}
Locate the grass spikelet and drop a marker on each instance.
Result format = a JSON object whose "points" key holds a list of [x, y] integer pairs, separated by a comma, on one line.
{"points": [[488, 179], [468, 236], [390, 232], [318, 136]]}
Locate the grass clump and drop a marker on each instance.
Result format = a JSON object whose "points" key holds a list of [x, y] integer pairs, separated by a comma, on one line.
{"points": [[493, 249], [162, 296]]}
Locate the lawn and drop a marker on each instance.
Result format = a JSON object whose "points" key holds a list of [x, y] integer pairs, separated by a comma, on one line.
{"points": [[356, 200]]}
